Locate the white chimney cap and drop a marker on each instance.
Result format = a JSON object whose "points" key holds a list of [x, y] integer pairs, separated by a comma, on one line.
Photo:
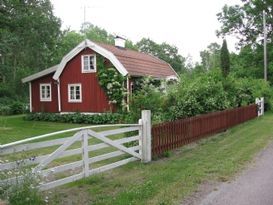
{"points": [[120, 41]]}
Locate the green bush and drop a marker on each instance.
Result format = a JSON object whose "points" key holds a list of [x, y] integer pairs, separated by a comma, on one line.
{"points": [[106, 118], [203, 94]]}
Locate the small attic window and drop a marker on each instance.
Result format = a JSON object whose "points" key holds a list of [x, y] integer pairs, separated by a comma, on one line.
{"points": [[89, 63]]}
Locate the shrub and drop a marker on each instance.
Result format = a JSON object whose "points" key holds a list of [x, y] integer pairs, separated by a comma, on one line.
{"points": [[106, 118], [203, 94]]}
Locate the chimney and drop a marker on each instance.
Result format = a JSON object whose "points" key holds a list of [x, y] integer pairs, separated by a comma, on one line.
{"points": [[120, 42]]}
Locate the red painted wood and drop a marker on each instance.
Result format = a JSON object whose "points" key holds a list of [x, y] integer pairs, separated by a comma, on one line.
{"points": [[37, 105], [94, 98], [169, 135]]}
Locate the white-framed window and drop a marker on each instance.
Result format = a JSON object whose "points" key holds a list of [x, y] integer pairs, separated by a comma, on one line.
{"points": [[45, 92], [89, 63], [74, 93]]}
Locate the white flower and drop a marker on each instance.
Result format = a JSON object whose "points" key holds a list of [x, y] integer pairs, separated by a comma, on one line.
{"points": [[109, 86]]}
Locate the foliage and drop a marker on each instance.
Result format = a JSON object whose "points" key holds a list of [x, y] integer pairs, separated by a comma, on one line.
{"points": [[246, 20], [244, 91], [203, 94], [28, 34], [112, 82], [107, 118], [225, 62], [11, 107], [210, 58], [147, 95], [163, 51], [24, 190]]}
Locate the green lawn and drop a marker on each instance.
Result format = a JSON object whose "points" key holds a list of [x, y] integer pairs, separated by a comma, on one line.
{"points": [[13, 128], [164, 181]]}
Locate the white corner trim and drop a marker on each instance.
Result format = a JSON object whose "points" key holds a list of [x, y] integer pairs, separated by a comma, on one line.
{"points": [[69, 97], [30, 97], [41, 97], [98, 49], [40, 74], [59, 95], [171, 77]]}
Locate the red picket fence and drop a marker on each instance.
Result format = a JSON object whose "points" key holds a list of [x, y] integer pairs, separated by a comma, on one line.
{"points": [[170, 135]]}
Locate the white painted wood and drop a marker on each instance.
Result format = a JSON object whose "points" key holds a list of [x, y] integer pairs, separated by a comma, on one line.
{"points": [[30, 97], [85, 156], [62, 168], [58, 151], [110, 155], [113, 143], [40, 74], [118, 131], [64, 131], [146, 136], [60, 182], [59, 95], [140, 136], [38, 159], [112, 166], [33, 146]]}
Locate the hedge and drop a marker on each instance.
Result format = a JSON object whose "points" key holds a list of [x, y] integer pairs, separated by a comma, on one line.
{"points": [[106, 118]]}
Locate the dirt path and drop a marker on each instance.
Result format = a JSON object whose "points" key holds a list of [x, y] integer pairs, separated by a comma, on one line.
{"points": [[254, 186]]}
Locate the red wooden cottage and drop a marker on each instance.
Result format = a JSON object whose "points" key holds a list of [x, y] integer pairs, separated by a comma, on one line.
{"points": [[72, 85]]}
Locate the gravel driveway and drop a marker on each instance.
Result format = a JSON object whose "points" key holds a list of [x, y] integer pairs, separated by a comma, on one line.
{"points": [[254, 186]]}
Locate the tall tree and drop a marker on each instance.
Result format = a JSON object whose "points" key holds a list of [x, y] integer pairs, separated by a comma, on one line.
{"points": [[210, 58], [163, 51], [225, 61], [28, 33], [245, 21]]}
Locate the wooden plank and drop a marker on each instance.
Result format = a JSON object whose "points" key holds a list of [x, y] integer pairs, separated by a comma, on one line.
{"points": [[64, 131], [60, 182], [85, 155], [112, 165], [38, 159], [110, 155], [32, 146], [113, 143], [118, 131], [58, 151], [61, 168]]}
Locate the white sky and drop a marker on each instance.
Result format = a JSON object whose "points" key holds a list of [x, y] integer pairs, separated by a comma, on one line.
{"points": [[188, 24]]}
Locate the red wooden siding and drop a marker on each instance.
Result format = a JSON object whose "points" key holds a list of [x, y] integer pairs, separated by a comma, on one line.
{"points": [[94, 98], [37, 105], [170, 135]]}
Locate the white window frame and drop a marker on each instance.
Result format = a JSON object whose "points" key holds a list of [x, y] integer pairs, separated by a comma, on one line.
{"points": [[45, 99], [95, 63], [69, 96]]}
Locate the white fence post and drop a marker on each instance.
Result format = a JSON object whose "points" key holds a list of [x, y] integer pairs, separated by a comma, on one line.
{"points": [[85, 156], [146, 149], [260, 103]]}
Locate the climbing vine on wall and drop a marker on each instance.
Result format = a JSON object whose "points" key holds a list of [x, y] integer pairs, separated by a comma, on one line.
{"points": [[112, 83]]}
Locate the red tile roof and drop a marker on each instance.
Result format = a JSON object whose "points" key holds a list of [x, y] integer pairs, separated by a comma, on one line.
{"points": [[140, 64]]}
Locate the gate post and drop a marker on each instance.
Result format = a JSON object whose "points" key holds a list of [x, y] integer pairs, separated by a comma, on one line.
{"points": [[146, 138]]}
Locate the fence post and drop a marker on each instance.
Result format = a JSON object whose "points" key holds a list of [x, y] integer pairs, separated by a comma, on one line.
{"points": [[146, 138], [85, 156], [260, 103]]}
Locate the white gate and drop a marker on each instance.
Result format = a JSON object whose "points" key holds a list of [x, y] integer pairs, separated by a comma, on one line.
{"points": [[84, 154]]}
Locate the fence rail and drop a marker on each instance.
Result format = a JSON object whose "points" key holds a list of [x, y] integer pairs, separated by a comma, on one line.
{"points": [[170, 135]]}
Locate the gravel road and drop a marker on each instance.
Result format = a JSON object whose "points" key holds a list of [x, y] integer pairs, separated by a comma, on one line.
{"points": [[254, 186]]}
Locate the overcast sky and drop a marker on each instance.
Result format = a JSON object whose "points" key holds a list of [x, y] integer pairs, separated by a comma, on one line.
{"points": [[188, 24]]}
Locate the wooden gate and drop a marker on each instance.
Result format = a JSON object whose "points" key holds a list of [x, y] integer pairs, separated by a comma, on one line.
{"points": [[87, 152]]}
